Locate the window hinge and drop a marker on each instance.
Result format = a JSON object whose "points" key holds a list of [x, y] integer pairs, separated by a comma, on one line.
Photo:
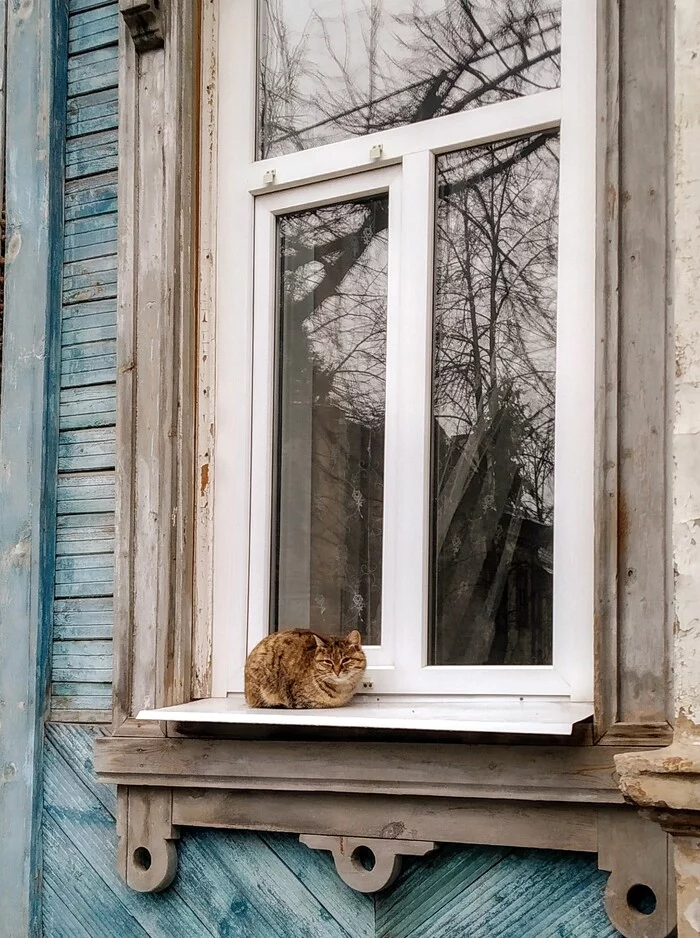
{"points": [[145, 20]]}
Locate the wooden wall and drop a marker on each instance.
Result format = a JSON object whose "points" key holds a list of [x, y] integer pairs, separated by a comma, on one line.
{"points": [[250, 885], [229, 885], [82, 619]]}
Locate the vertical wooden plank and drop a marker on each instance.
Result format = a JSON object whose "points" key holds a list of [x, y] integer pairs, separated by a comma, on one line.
{"points": [[155, 369], [35, 113], [206, 372], [644, 618], [633, 616]]}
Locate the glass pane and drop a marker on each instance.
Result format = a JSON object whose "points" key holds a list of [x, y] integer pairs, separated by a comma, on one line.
{"points": [[493, 403], [333, 69], [330, 421]]}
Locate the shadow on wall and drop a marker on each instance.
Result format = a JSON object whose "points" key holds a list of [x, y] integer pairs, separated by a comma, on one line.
{"points": [[248, 885]]}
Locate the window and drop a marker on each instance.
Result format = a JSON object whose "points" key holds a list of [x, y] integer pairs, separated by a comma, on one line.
{"points": [[405, 339]]}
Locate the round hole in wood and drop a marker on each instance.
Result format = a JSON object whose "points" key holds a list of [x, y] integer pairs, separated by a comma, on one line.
{"points": [[641, 898], [363, 858], [142, 858]]}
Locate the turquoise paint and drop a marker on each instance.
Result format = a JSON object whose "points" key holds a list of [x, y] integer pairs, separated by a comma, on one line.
{"points": [[35, 128], [84, 573], [240, 884]]}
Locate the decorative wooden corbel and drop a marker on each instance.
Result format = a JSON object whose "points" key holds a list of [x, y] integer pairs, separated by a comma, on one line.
{"points": [[640, 896], [146, 852], [368, 864], [145, 21]]}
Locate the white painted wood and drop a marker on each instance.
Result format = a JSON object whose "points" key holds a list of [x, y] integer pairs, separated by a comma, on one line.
{"points": [[206, 358], [467, 714]]}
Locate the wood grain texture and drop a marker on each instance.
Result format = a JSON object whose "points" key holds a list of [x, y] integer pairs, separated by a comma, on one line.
{"points": [[155, 386], [84, 573], [633, 558], [242, 884], [534, 773], [32, 105]]}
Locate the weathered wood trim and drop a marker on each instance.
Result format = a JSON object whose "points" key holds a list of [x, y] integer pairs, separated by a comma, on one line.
{"points": [[388, 857], [155, 368], [206, 359], [32, 115], [633, 616], [636, 852], [444, 770], [147, 855], [145, 20], [446, 820]]}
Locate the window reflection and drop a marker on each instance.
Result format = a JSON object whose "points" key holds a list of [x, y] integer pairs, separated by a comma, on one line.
{"points": [[333, 69], [330, 422], [493, 403]]}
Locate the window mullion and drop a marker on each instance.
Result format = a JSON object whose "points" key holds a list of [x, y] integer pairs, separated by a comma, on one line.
{"points": [[406, 546]]}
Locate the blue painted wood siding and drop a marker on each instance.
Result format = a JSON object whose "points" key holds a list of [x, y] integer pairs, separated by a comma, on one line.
{"points": [[83, 610], [241, 884]]}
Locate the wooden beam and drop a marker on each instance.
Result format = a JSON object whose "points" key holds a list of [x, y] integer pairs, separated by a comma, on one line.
{"points": [[447, 820], [36, 61], [526, 773]]}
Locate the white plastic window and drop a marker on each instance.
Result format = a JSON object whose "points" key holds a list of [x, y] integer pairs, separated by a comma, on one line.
{"points": [[405, 339]]}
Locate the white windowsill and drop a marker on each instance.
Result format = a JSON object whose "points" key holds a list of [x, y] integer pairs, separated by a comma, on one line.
{"points": [[539, 716]]}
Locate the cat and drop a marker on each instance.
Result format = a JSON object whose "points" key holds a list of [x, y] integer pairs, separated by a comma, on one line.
{"points": [[299, 669]]}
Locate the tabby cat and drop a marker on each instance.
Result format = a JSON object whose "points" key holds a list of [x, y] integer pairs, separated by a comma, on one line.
{"points": [[299, 669]]}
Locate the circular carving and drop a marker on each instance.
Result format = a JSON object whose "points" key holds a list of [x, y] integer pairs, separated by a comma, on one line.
{"points": [[152, 868], [642, 899], [363, 858], [142, 858]]}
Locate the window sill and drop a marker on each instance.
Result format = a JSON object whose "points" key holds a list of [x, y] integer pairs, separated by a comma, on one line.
{"points": [[535, 716]]}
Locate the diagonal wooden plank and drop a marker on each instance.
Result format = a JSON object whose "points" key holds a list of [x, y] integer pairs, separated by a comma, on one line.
{"points": [[87, 834], [96, 906], [352, 910], [429, 885], [74, 745], [269, 885], [525, 895], [59, 919]]}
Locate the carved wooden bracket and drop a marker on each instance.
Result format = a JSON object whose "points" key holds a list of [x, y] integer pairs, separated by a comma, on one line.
{"points": [[145, 21], [368, 864], [639, 895], [146, 852]]}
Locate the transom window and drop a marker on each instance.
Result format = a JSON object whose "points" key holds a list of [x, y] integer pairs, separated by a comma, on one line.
{"points": [[405, 338]]}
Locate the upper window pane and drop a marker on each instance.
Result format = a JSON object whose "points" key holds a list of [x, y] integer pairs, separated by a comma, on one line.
{"points": [[333, 69], [493, 403]]}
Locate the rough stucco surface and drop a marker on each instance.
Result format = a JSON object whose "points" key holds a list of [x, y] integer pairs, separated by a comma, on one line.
{"points": [[686, 430]]}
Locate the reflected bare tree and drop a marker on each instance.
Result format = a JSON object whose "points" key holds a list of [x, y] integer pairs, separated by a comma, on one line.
{"points": [[377, 64], [323, 80], [494, 402]]}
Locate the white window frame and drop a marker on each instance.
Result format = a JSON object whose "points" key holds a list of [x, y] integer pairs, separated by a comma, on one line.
{"points": [[246, 213]]}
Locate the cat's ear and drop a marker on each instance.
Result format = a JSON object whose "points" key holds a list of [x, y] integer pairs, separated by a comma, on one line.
{"points": [[354, 638], [320, 642]]}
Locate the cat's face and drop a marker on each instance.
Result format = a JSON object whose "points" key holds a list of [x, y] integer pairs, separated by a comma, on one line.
{"points": [[340, 659]]}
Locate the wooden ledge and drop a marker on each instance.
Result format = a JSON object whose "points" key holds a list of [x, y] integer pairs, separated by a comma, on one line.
{"points": [[583, 774]]}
